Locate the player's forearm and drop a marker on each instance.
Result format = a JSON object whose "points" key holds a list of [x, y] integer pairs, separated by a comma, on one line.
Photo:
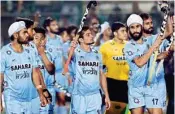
{"points": [[48, 65], [162, 55], [103, 83], [41, 79], [37, 81], [140, 61]]}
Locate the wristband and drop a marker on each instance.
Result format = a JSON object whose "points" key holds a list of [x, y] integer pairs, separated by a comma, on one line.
{"points": [[38, 86]]}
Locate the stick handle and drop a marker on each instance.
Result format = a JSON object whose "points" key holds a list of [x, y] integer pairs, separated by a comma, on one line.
{"points": [[71, 52]]}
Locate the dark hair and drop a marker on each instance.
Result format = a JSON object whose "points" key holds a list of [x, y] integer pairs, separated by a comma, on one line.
{"points": [[116, 26], [81, 33], [28, 22], [61, 30], [12, 38], [47, 22], [40, 30], [71, 28], [145, 16]]}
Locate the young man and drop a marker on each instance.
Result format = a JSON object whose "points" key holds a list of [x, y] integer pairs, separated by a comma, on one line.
{"points": [[138, 52], [18, 73], [55, 41], [45, 62], [86, 98], [148, 34], [148, 27], [116, 67]]}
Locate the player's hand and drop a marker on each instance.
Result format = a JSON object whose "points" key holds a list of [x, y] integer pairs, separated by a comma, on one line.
{"points": [[107, 103], [172, 47], [73, 44], [47, 95], [157, 43], [43, 100], [41, 50]]}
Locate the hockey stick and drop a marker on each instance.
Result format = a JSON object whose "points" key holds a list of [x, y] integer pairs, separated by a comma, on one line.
{"points": [[164, 8], [65, 71], [160, 65], [58, 86]]}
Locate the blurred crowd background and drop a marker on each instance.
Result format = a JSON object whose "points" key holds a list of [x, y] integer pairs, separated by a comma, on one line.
{"points": [[70, 12]]}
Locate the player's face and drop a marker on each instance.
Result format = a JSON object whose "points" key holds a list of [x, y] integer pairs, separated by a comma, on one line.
{"points": [[23, 36], [88, 38], [94, 24], [108, 32], [53, 27], [30, 31], [65, 36], [135, 31], [122, 33], [148, 26], [39, 39]]}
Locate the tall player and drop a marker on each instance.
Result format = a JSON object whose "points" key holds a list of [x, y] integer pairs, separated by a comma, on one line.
{"points": [[45, 62], [32, 47], [86, 98], [138, 52], [18, 72], [116, 67], [148, 34], [55, 41]]}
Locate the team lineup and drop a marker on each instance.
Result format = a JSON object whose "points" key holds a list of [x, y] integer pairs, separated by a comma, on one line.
{"points": [[93, 69]]}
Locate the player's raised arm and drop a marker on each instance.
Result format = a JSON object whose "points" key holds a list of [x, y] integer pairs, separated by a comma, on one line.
{"points": [[48, 65]]}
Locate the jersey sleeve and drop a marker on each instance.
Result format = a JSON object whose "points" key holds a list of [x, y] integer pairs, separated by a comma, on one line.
{"points": [[130, 52]]}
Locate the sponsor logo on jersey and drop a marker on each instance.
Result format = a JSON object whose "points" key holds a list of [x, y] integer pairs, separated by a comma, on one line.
{"points": [[22, 75], [119, 58], [88, 63], [41, 66], [89, 71], [19, 67]]}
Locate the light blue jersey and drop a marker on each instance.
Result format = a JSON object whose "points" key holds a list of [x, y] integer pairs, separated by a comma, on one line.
{"points": [[17, 70], [137, 76], [57, 41], [34, 53], [160, 76], [56, 44], [87, 72], [48, 79], [57, 47], [66, 47]]}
